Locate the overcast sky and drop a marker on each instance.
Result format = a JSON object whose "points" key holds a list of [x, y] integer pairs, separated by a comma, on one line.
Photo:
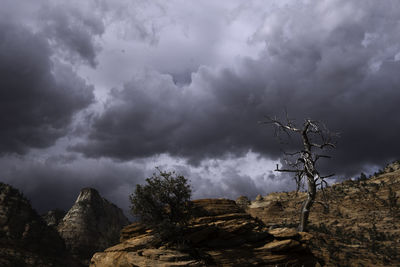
{"points": [[98, 93]]}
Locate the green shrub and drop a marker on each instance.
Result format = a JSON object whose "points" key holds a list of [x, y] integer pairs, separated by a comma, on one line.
{"points": [[163, 203]]}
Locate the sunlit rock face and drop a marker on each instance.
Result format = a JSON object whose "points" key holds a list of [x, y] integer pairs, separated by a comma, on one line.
{"points": [[25, 239], [243, 202], [220, 234], [92, 224]]}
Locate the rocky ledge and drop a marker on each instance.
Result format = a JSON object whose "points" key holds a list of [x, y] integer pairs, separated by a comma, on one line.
{"points": [[221, 234]]}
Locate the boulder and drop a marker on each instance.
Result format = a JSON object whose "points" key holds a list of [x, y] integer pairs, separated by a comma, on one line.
{"points": [[243, 202]]}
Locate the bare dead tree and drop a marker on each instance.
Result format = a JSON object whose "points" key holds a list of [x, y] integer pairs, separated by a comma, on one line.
{"points": [[314, 135]]}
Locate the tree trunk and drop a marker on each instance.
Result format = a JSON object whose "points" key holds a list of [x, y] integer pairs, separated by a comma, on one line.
{"points": [[304, 166], [307, 204]]}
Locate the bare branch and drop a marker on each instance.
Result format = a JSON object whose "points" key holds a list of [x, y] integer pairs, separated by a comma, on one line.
{"points": [[288, 127], [318, 156], [292, 153], [322, 203], [327, 176], [323, 145], [285, 170]]}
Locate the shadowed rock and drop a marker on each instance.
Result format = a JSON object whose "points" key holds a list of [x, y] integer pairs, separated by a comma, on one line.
{"points": [[53, 217], [91, 225], [25, 239]]}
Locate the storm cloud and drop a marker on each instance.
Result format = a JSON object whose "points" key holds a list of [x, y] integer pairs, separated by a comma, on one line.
{"points": [[341, 70], [72, 30], [55, 182], [99, 93], [38, 96]]}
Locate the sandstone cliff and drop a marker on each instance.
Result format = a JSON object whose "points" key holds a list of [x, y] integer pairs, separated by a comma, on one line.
{"points": [[91, 225], [221, 234], [25, 239], [360, 227]]}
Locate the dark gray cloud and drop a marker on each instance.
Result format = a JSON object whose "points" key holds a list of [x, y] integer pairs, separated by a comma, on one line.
{"points": [[72, 30], [55, 182], [151, 115], [342, 71], [232, 177], [38, 96], [201, 75]]}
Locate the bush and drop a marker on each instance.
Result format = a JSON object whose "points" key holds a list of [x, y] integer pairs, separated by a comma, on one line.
{"points": [[362, 177], [163, 203]]}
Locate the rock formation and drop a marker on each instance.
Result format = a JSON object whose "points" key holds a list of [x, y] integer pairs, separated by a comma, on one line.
{"points": [[53, 217], [361, 226], [91, 225], [25, 239], [219, 235], [394, 166], [243, 202]]}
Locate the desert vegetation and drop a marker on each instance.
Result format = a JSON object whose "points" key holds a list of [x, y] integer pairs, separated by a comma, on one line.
{"points": [[163, 204], [361, 226]]}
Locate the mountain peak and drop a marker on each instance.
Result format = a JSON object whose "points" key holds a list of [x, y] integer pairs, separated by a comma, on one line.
{"points": [[25, 238], [92, 224], [88, 194]]}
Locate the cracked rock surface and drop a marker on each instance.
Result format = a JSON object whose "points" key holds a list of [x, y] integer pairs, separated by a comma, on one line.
{"points": [[221, 234]]}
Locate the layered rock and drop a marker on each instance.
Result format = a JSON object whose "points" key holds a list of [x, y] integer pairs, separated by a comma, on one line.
{"points": [[25, 239], [220, 235], [360, 228], [91, 225]]}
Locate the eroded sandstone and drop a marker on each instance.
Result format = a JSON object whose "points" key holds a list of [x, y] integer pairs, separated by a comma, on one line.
{"points": [[221, 234]]}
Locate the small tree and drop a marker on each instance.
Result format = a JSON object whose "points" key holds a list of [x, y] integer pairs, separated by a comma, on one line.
{"points": [[362, 177], [313, 136], [393, 202], [163, 203]]}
